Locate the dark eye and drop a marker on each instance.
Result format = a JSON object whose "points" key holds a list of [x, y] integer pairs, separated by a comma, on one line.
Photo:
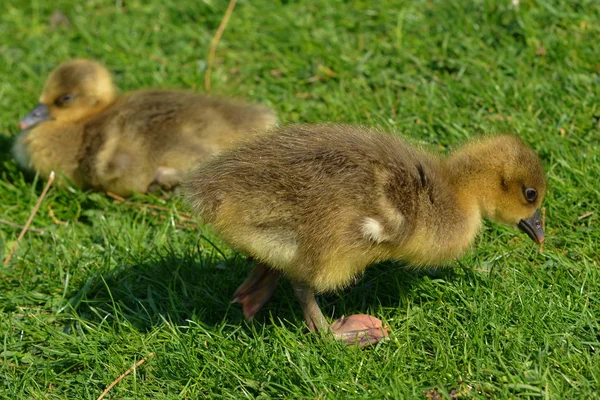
{"points": [[64, 100], [530, 195]]}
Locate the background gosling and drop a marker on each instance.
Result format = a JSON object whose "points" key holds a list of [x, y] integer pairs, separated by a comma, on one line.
{"points": [[127, 143]]}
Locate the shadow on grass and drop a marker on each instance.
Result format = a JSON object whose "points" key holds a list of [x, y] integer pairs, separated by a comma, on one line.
{"points": [[182, 288], [9, 170], [6, 143]]}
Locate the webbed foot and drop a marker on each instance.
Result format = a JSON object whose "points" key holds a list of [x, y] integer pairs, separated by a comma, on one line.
{"points": [[361, 329]]}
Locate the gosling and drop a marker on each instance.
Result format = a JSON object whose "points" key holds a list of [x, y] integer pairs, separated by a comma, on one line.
{"points": [[321, 203], [130, 143]]}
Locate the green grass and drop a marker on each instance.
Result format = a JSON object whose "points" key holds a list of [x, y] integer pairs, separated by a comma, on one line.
{"points": [[83, 302]]}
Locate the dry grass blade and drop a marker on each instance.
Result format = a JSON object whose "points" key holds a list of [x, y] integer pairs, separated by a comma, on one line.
{"points": [[53, 216], [123, 375], [30, 219], [182, 215], [5, 222], [215, 42], [188, 225]]}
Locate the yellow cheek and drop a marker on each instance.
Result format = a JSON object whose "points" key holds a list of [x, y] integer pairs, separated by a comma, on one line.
{"points": [[68, 114], [54, 112]]}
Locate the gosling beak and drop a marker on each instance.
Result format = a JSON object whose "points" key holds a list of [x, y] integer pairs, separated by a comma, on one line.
{"points": [[532, 226], [38, 114]]}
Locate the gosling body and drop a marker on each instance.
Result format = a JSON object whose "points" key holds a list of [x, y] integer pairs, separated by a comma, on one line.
{"points": [[127, 143], [321, 203]]}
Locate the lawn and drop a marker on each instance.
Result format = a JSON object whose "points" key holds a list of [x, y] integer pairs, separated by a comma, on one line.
{"points": [[109, 283]]}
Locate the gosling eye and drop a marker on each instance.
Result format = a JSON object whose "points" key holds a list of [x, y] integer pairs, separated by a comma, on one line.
{"points": [[64, 100], [530, 195]]}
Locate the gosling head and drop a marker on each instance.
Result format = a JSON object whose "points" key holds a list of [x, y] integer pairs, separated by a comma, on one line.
{"points": [[507, 179], [75, 90]]}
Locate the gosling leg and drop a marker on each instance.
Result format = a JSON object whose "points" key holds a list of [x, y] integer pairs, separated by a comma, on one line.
{"points": [[166, 178], [257, 289], [360, 329]]}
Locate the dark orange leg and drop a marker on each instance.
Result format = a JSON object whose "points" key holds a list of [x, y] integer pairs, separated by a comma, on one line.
{"points": [[257, 289]]}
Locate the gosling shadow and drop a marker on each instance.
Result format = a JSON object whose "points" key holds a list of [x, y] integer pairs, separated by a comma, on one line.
{"points": [[174, 288], [182, 287], [9, 168], [6, 158], [389, 285]]}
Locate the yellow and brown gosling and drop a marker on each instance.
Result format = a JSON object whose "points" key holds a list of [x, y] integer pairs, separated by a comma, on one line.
{"points": [[320, 203], [129, 143]]}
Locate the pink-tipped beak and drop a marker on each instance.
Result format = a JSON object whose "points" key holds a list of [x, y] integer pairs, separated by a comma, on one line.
{"points": [[38, 114], [532, 226]]}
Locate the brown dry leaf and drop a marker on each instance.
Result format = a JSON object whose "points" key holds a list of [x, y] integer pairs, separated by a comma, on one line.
{"points": [[501, 117], [394, 109], [160, 60], [323, 70], [434, 394], [59, 20], [276, 73], [322, 73], [305, 96], [562, 132], [541, 51]]}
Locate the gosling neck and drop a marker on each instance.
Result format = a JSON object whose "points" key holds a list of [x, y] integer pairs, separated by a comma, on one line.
{"points": [[447, 224], [97, 108], [100, 102], [469, 175]]}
